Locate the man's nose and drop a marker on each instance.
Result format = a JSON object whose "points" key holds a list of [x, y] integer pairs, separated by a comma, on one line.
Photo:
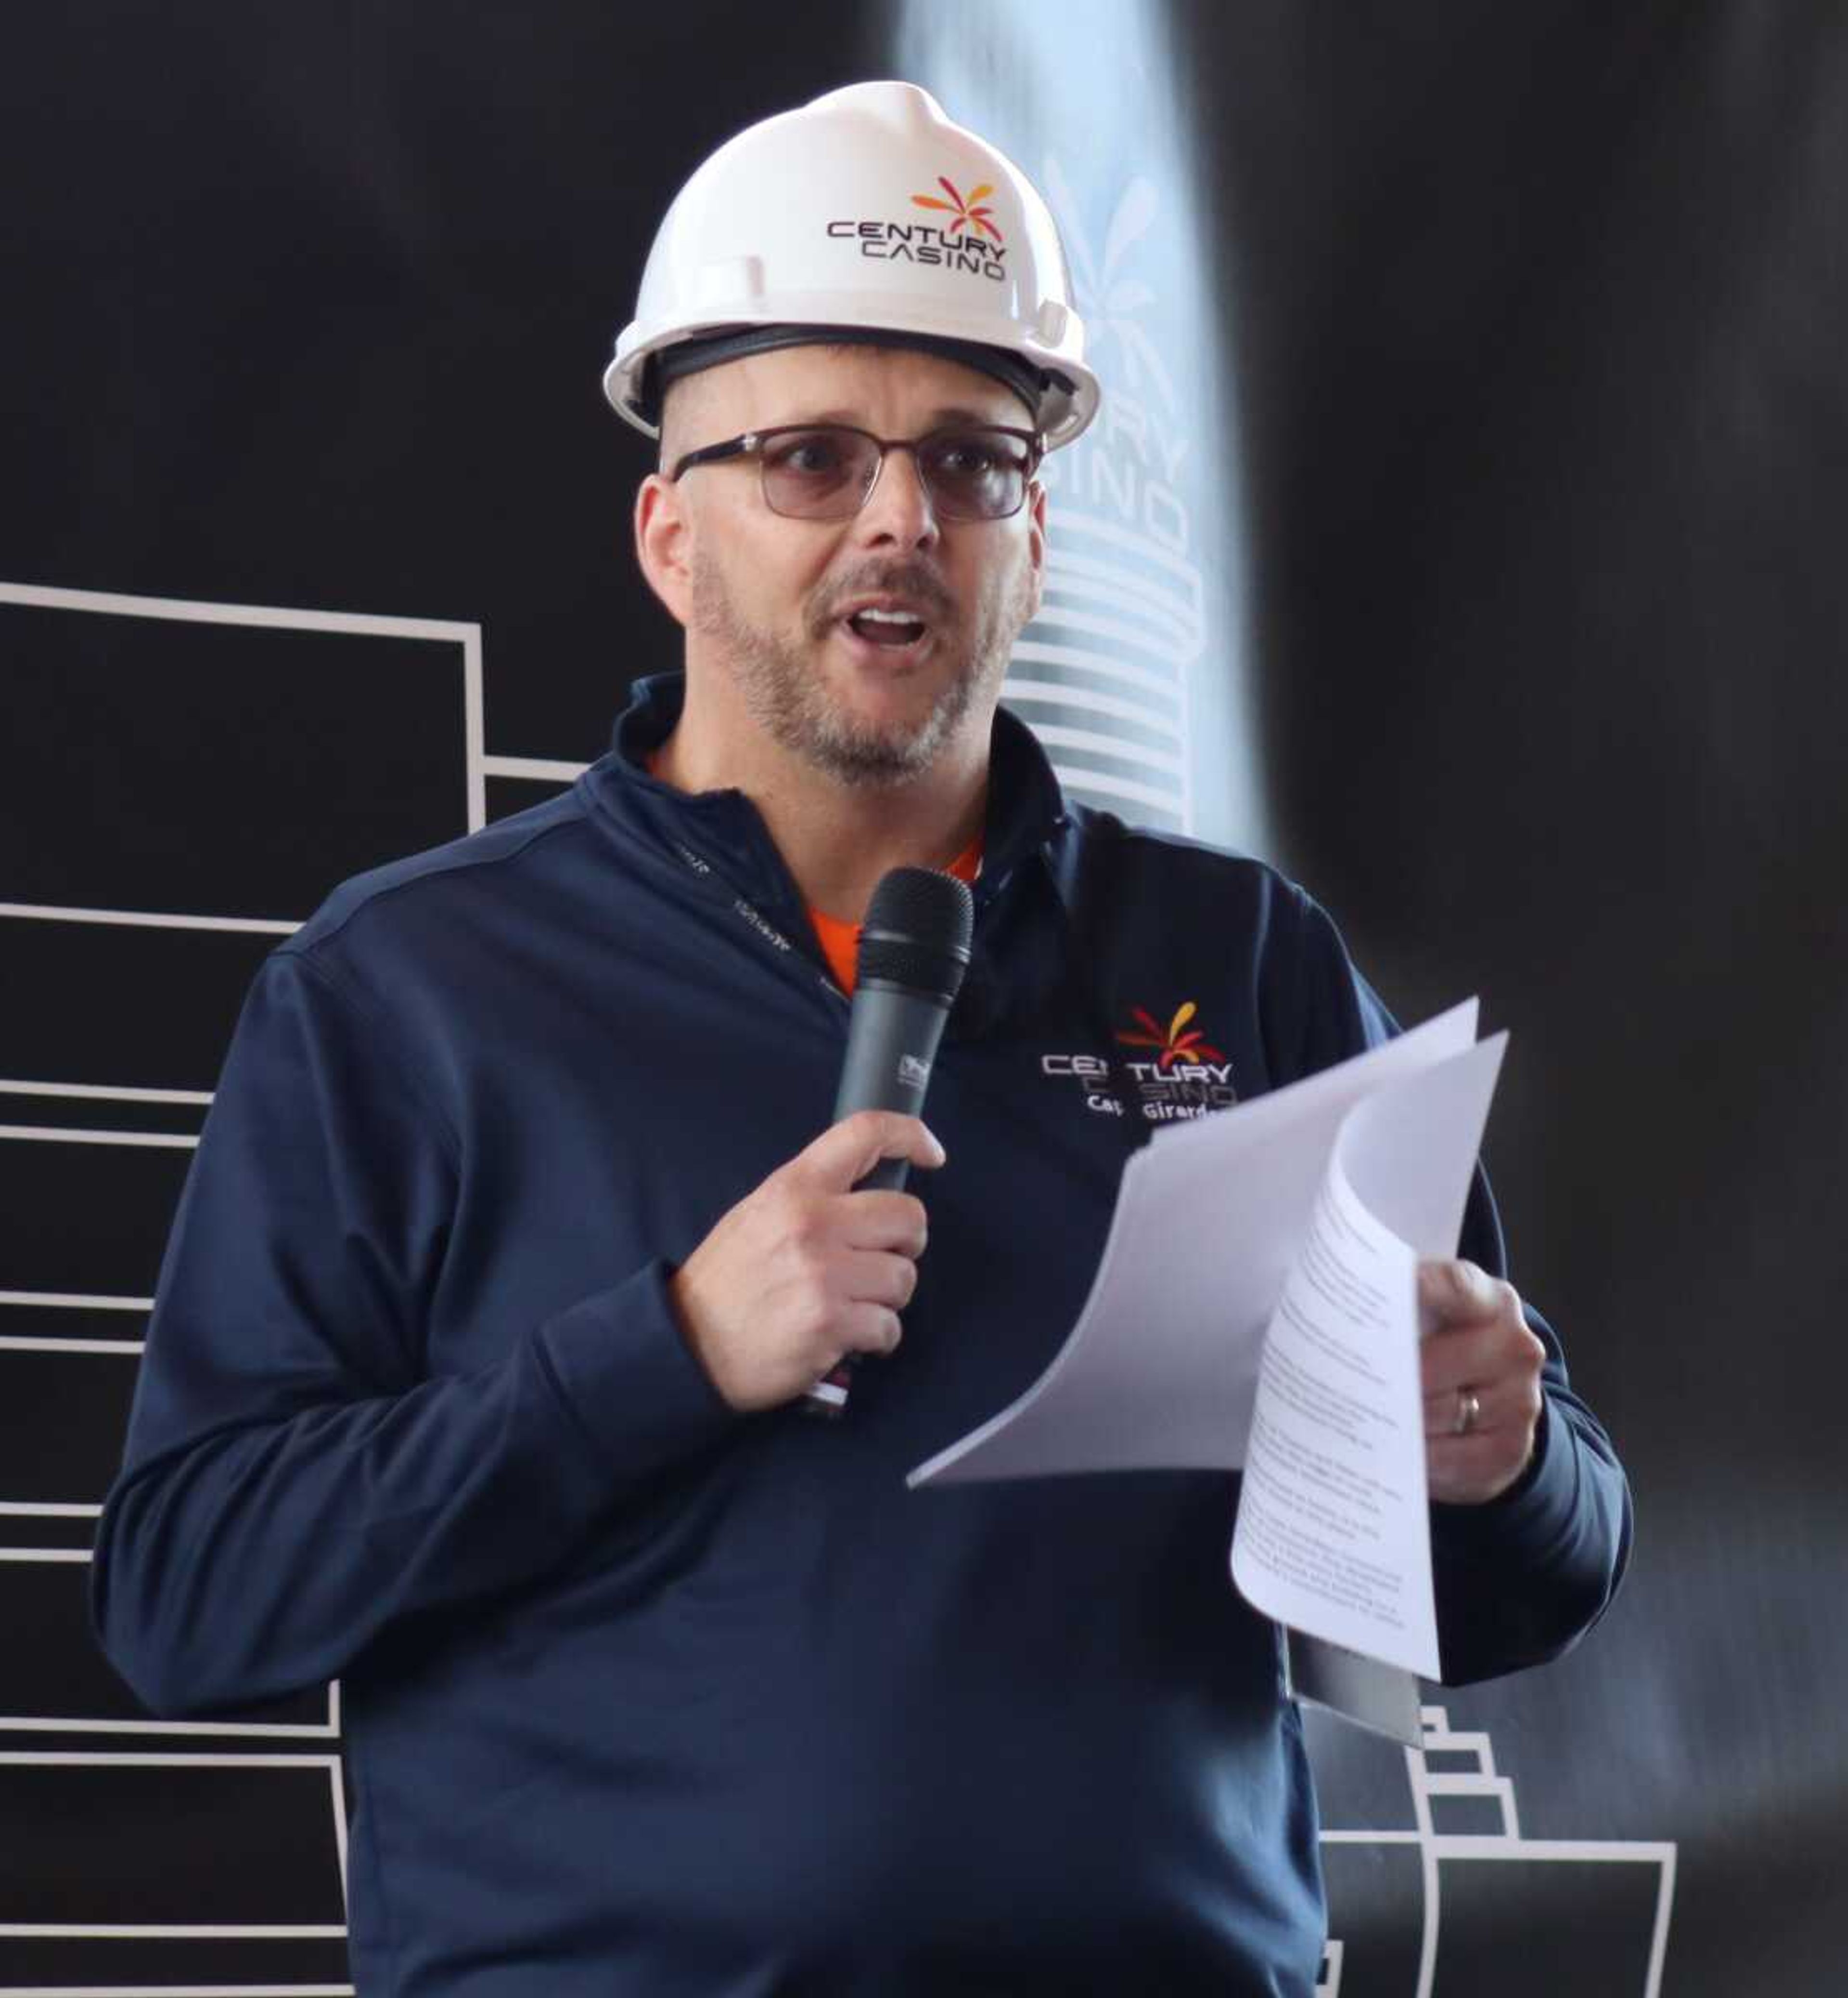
{"points": [[898, 510]]}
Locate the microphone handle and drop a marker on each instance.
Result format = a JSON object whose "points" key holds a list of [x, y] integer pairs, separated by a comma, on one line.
{"points": [[892, 1040], [889, 1176]]}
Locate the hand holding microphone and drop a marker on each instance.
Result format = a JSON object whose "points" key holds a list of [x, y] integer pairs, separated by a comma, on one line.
{"points": [[804, 1268], [914, 951], [812, 1268]]}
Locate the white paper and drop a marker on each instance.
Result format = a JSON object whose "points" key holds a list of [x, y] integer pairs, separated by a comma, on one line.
{"points": [[1160, 1370], [1256, 1307], [1333, 1536]]}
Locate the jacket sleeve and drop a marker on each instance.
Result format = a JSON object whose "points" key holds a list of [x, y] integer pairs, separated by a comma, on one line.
{"points": [[294, 1483], [1519, 1579]]}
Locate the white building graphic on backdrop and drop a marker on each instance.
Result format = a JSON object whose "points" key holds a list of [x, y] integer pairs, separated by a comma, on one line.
{"points": [[1464, 1820], [1102, 672]]}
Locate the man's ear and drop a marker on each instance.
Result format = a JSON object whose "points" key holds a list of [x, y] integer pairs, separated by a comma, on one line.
{"points": [[663, 540], [1036, 541]]}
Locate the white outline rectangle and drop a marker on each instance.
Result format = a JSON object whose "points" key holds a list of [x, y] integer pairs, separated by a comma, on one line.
{"points": [[466, 634], [253, 1731], [51, 1134], [328, 1730], [231, 1931], [35, 1509]]}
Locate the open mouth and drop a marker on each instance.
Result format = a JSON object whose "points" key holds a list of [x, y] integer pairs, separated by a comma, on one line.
{"points": [[893, 630]]}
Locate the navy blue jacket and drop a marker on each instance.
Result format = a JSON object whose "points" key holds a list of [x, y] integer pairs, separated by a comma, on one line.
{"points": [[644, 1696]]}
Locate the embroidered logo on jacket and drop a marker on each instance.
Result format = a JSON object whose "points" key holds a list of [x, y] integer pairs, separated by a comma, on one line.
{"points": [[1189, 1049], [1185, 1075]]}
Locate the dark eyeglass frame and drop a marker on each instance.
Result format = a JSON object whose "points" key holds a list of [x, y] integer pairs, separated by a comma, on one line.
{"points": [[754, 444]]}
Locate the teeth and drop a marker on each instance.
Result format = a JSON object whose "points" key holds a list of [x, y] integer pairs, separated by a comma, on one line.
{"points": [[890, 617]]}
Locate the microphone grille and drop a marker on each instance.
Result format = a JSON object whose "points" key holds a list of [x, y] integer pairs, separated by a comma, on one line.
{"points": [[918, 931]]}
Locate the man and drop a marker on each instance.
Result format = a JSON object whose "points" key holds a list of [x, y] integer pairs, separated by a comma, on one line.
{"points": [[516, 1238]]}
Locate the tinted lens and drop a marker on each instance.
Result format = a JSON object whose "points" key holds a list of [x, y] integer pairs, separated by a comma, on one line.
{"points": [[821, 474], [975, 474]]}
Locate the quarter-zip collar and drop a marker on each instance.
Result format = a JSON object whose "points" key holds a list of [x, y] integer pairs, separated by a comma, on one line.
{"points": [[724, 829]]}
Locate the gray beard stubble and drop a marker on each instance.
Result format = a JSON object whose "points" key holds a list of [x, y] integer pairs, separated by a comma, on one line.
{"points": [[784, 698]]}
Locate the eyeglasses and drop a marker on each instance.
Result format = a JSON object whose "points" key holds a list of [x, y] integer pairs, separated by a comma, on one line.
{"points": [[827, 472]]}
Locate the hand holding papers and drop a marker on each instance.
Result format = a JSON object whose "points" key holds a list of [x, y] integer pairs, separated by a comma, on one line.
{"points": [[1255, 1308]]}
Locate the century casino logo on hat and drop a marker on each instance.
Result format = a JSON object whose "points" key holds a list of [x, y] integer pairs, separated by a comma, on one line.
{"points": [[965, 212], [971, 241]]}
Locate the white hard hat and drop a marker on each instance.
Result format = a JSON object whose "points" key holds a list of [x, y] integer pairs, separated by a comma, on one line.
{"points": [[865, 215]]}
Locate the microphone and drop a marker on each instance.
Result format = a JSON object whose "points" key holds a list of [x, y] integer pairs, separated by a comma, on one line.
{"points": [[914, 948]]}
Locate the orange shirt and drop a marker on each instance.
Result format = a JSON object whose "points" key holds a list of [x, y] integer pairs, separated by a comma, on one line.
{"points": [[841, 942]]}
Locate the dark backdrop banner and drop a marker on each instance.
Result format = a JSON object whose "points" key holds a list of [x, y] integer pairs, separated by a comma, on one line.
{"points": [[1472, 513]]}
